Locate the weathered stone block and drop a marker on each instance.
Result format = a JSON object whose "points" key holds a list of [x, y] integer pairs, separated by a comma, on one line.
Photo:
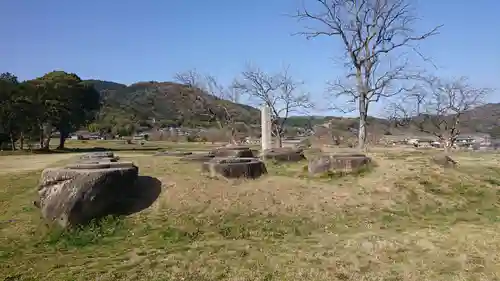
{"points": [[234, 168], [77, 193], [284, 154], [233, 151], [349, 163]]}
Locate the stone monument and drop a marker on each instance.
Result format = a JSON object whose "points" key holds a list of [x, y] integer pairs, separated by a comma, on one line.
{"points": [[265, 128]]}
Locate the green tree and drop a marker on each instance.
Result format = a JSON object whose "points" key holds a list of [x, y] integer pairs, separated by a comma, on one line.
{"points": [[8, 107], [15, 109], [66, 104], [45, 108], [83, 101], [9, 77], [25, 116], [93, 128]]}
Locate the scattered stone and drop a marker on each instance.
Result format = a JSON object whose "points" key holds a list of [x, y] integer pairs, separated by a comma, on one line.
{"points": [[99, 165], [98, 157], [338, 163], [198, 157], [77, 193], [284, 154], [221, 152], [234, 168], [172, 153], [98, 160], [444, 161], [233, 151], [99, 154]]}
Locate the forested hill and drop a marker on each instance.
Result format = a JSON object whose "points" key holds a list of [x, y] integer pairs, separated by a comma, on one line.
{"points": [[167, 103], [171, 103]]}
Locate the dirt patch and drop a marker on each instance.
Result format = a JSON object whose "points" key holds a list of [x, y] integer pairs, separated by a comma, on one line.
{"points": [[9, 164]]}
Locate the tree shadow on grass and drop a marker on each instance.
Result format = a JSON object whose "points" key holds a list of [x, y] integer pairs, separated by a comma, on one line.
{"points": [[141, 196]]}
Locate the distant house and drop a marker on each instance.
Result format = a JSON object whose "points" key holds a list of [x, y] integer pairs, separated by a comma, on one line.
{"points": [[85, 135], [141, 136], [482, 139], [394, 139], [428, 140], [420, 140]]}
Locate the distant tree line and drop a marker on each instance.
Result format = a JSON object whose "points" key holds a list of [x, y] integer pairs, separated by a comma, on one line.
{"points": [[34, 109]]}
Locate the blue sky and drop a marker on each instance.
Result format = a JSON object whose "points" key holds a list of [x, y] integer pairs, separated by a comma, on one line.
{"points": [[130, 41]]}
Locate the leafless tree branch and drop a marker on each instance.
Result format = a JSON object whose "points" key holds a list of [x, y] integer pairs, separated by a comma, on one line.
{"points": [[217, 107], [190, 78], [370, 30], [278, 91], [437, 107]]}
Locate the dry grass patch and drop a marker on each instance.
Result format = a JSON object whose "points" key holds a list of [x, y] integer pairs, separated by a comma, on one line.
{"points": [[16, 164], [406, 220]]}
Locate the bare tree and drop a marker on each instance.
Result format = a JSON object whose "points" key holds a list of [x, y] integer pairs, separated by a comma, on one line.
{"points": [[218, 105], [191, 78], [370, 31], [438, 107], [278, 91]]}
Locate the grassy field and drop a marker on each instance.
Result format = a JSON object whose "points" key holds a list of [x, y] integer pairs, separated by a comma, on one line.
{"points": [[405, 220]]}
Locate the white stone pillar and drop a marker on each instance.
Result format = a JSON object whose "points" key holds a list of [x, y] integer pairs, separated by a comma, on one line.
{"points": [[265, 127]]}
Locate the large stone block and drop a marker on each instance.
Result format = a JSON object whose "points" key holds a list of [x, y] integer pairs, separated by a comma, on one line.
{"points": [[234, 168], [284, 154], [77, 193], [233, 151], [198, 157], [97, 157], [338, 163]]}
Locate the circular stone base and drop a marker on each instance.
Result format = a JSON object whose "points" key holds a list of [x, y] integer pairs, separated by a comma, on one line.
{"points": [[99, 165], [234, 168]]}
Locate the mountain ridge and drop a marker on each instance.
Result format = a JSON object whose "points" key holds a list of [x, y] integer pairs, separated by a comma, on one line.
{"points": [[175, 104]]}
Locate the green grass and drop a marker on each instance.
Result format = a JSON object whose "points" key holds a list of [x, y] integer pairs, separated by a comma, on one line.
{"points": [[406, 219]]}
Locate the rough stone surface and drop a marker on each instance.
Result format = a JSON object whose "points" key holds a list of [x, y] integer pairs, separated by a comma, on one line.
{"points": [[99, 160], [77, 193], [198, 157], [101, 156], [233, 151], [99, 165], [173, 153], [444, 161], [234, 168], [343, 163], [284, 154]]}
